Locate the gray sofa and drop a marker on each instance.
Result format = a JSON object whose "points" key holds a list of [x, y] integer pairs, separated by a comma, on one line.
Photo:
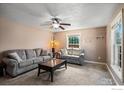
{"points": [[72, 55], [29, 60]]}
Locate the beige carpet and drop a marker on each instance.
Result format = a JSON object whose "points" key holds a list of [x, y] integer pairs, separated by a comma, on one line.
{"points": [[88, 74]]}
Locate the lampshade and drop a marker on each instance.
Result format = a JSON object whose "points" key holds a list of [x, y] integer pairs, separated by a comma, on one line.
{"points": [[54, 44]]}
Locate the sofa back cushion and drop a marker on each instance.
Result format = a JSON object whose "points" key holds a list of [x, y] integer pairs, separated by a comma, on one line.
{"points": [[38, 51], [77, 52], [30, 53], [21, 54], [43, 53], [70, 51]]}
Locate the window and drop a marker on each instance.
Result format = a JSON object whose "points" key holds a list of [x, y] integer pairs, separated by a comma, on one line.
{"points": [[73, 41]]}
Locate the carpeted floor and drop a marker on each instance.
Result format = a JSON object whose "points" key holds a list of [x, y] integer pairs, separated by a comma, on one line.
{"points": [[88, 74]]}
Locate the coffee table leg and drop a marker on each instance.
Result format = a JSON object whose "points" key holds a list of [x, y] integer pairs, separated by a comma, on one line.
{"points": [[51, 75], [38, 71], [66, 65]]}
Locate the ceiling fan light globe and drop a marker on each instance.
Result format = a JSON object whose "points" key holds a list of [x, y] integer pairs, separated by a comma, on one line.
{"points": [[55, 25]]}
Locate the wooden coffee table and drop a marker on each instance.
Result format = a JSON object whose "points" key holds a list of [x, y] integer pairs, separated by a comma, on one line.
{"points": [[51, 66]]}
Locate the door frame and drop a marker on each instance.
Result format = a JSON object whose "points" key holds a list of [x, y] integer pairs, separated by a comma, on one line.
{"points": [[120, 15]]}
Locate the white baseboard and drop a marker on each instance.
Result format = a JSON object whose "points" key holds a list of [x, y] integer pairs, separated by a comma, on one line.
{"points": [[94, 62], [112, 74], [102, 63]]}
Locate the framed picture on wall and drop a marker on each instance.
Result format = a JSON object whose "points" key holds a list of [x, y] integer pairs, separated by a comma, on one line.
{"points": [[73, 41]]}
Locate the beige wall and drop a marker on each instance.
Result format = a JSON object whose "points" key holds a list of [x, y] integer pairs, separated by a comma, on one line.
{"points": [[18, 36], [93, 47], [108, 45]]}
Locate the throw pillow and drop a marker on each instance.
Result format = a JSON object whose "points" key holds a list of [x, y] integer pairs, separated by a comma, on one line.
{"points": [[64, 51], [14, 56]]}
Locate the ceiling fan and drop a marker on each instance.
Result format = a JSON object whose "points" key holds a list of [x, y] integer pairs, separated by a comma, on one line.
{"points": [[55, 23]]}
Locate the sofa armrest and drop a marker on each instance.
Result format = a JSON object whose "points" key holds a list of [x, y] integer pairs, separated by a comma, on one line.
{"points": [[81, 58], [58, 55], [10, 62], [11, 66], [82, 54]]}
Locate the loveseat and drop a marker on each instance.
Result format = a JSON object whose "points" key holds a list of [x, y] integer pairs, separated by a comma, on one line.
{"points": [[21, 60], [75, 56]]}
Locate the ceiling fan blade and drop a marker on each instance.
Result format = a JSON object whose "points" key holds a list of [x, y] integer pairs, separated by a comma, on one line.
{"points": [[45, 23], [62, 27], [65, 24]]}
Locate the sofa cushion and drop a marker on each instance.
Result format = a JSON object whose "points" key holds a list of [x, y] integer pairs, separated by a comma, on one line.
{"points": [[26, 63], [30, 53], [21, 54], [69, 56], [74, 56], [38, 59], [15, 56], [65, 57], [45, 58], [38, 51]]}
